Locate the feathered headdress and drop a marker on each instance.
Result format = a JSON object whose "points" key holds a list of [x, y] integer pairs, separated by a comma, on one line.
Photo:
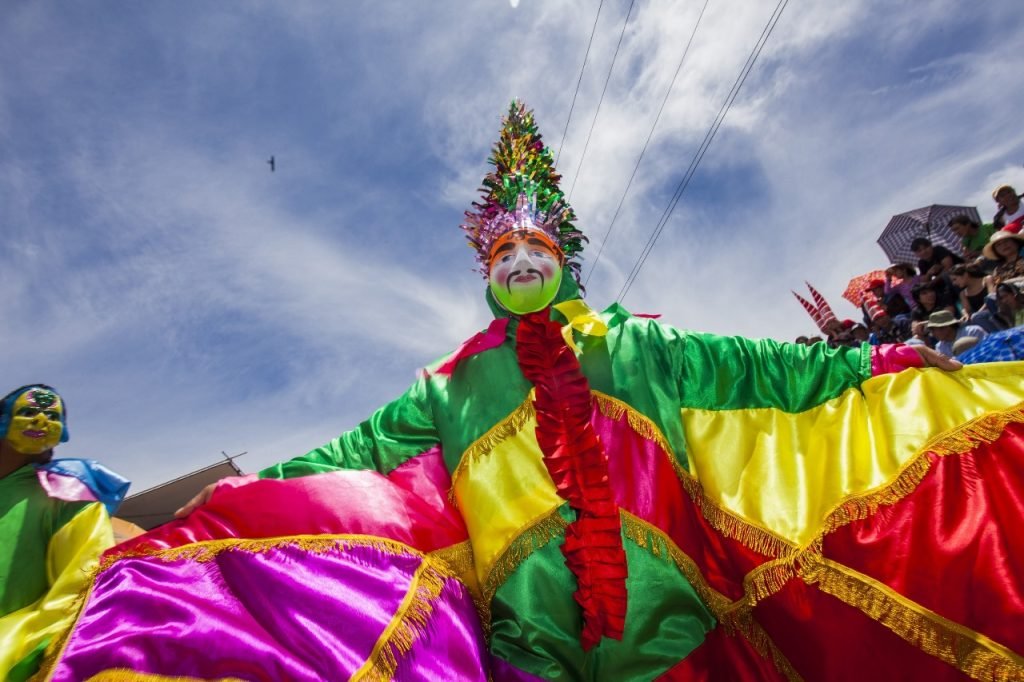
{"points": [[522, 193]]}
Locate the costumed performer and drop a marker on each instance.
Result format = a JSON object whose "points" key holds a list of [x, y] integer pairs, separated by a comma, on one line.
{"points": [[54, 524], [645, 502]]}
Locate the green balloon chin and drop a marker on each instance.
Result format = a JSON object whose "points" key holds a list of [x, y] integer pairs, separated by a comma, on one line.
{"points": [[522, 300]]}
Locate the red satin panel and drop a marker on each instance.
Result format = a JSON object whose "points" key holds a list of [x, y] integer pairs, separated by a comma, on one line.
{"points": [[826, 639], [409, 505], [956, 544], [646, 485], [723, 657]]}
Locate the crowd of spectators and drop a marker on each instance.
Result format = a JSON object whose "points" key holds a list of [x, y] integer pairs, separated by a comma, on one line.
{"points": [[947, 301]]}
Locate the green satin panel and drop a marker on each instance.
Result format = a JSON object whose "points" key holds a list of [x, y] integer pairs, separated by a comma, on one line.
{"points": [[731, 372], [536, 623], [28, 519], [395, 432]]}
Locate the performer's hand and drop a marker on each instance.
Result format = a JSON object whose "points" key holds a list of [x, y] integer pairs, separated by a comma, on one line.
{"points": [[933, 358], [196, 502]]}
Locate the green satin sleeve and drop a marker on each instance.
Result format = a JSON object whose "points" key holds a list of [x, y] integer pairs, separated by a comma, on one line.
{"points": [[732, 372], [394, 433]]}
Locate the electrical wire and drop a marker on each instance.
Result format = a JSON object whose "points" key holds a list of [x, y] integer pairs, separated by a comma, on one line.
{"points": [[695, 162], [608, 232], [580, 80], [597, 111]]}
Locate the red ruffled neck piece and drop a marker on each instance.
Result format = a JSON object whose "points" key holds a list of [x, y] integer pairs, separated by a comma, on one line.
{"points": [[576, 460]]}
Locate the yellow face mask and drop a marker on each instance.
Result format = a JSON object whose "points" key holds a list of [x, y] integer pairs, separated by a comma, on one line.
{"points": [[36, 421]]}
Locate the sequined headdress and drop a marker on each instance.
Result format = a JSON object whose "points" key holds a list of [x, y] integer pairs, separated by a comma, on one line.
{"points": [[522, 193]]}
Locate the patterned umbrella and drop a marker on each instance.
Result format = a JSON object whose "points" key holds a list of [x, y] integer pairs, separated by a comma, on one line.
{"points": [[855, 289], [931, 222], [1004, 346]]}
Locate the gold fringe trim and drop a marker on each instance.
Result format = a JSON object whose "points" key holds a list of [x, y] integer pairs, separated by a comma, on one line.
{"points": [[757, 538], [970, 652], [460, 561], [503, 430], [613, 408], [653, 539], [532, 538], [984, 429], [208, 550], [409, 622], [649, 537], [762, 642], [766, 580], [126, 675]]}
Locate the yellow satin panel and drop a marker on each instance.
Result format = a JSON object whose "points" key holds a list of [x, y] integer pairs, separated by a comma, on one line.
{"points": [[72, 555], [581, 318], [503, 492], [785, 472]]}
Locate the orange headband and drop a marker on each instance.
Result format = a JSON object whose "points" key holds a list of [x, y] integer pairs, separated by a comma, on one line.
{"points": [[520, 234]]}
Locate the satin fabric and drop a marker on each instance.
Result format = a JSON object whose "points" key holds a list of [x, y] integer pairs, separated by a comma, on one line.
{"points": [[71, 554], [763, 466], [326, 611], [100, 483], [960, 526], [409, 505]]}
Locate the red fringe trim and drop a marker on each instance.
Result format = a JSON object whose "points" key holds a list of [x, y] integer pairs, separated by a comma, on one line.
{"points": [[576, 460]]}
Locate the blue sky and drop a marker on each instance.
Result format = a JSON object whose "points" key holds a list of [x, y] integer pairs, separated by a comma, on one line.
{"points": [[186, 300]]}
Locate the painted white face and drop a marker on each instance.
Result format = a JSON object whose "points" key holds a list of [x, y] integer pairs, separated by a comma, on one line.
{"points": [[525, 271]]}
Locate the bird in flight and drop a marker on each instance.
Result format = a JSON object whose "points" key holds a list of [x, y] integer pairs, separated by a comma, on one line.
{"points": [[271, 162]]}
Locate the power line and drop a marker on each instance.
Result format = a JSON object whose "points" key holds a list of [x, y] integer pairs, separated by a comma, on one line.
{"points": [[580, 80], [608, 233], [695, 162], [608, 78]]}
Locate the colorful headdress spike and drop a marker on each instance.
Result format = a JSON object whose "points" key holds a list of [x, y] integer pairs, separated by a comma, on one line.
{"points": [[823, 307], [522, 192], [811, 310]]}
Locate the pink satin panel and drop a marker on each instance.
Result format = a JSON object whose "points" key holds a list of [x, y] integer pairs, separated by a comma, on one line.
{"points": [[954, 545], [285, 613], [890, 358], [67, 488], [409, 505]]}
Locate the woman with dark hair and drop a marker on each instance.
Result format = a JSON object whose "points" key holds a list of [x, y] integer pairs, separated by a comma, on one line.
{"points": [[1011, 304], [929, 300], [971, 280]]}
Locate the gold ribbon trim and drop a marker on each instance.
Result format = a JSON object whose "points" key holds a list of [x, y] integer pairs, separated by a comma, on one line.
{"points": [[506, 428], [126, 675], [208, 550]]}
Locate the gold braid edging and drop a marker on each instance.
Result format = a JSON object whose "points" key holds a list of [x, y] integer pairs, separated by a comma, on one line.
{"points": [[653, 539], [506, 428], [208, 550], [967, 650], [409, 622], [957, 441]]}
